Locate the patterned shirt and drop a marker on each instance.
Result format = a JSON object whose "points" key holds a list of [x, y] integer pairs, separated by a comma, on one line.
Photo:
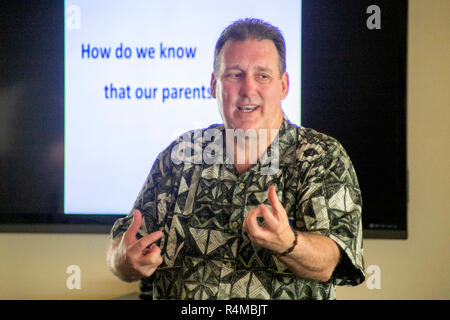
{"points": [[200, 207]]}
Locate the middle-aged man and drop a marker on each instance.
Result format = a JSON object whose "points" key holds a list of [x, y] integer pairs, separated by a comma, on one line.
{"points": [[278, 218]]}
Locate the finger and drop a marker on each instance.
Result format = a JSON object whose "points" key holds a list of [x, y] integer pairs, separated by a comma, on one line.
{"points": [[151, 256], [251, 224], [144, 242], [148, 250], [247, 217], [273, 198], [130, 234], [275, 202], [244, 224], [271, 221], [154, 249]]}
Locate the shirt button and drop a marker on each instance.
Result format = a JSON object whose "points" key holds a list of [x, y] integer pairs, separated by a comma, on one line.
{"points": [[241, 185], [234, 225]]}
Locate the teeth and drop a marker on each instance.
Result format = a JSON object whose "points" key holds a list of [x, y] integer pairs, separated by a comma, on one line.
{"points": [[247, 108]]}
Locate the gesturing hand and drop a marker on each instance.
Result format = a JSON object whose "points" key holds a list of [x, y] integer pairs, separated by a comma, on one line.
{"points": [[133, 258], [277, 234]]}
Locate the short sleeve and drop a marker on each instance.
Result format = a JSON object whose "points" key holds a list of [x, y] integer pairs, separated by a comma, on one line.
{"points": [[148, 193], [153, 194], [331, 204]]}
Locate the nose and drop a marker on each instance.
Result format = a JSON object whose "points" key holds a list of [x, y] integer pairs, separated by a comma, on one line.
{"points": [[248, 86]]}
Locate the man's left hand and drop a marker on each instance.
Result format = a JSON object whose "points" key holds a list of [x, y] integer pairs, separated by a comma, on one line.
{"points": [[277, 234]]}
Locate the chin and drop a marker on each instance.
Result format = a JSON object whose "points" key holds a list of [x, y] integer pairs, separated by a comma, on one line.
{"points": [[247, 126]]}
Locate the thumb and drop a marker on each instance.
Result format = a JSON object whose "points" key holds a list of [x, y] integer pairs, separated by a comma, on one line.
{"points": [[134, 227]]}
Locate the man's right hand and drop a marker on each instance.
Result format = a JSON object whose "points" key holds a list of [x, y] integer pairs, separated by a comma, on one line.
{"points": [[129, 258]]}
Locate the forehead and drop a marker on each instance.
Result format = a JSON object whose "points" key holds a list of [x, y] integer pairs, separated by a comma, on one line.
{"points": [[249, 52]]}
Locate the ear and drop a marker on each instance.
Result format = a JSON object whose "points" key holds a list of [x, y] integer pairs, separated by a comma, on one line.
{"points": [[213, 85], [284, 85]]}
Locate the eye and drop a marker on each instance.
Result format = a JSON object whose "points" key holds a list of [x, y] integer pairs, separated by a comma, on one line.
{"points": [[264, 77], [234, 75]]}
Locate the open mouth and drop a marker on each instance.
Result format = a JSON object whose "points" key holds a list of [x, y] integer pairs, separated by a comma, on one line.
{"points": [[247, 108]]}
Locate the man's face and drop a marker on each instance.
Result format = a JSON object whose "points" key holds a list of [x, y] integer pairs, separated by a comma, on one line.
{"points": [[248, 86]]}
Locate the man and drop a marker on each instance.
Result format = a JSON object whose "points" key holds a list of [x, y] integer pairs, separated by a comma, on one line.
{"points": [[281, 220]]}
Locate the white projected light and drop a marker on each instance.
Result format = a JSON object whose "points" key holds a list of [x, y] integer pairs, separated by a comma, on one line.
{"points": [[137, 75]]}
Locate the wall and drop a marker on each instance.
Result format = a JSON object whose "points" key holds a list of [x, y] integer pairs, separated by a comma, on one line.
{"points": [[33, 266], [418, 267]]}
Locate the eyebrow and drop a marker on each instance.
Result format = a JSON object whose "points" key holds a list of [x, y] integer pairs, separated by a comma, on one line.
{"points": [[257, 68], [268, 70]]}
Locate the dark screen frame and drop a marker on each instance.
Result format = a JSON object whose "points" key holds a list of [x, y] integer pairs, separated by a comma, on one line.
{"points": [[343, 65]]}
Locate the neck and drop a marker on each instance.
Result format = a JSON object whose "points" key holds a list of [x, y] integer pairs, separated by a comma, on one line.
{"points": [[245, 148]]}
